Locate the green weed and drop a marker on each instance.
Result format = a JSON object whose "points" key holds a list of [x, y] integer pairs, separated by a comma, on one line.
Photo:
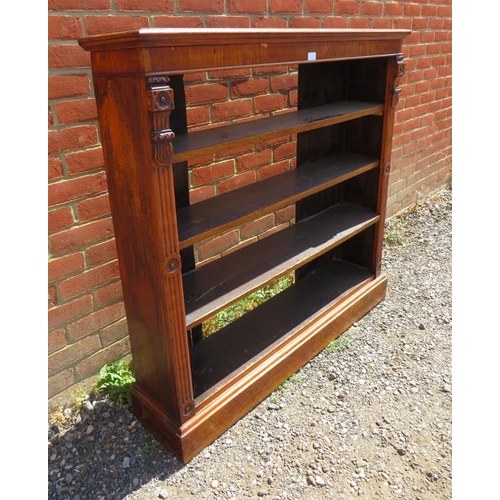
{"points": [[337, 344], [116, 379], [237, 310]]}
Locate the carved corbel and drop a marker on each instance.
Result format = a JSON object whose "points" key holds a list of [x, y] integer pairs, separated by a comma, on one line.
{"points": [[160, 105], [400, 71]]}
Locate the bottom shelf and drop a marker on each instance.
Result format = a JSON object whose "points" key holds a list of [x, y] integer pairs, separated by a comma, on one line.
{"points": [[237, 347], [241, 365]]}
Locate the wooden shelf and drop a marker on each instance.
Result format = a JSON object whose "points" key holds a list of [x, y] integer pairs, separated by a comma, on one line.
{"points": [[209, 217], [213, 140], [216, 285], [239, 345]]}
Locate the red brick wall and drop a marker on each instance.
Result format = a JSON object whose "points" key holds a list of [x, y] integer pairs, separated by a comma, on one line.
{"points": [[87, 327]]}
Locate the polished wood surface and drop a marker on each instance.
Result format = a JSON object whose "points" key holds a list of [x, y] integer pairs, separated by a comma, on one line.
{"points": [[220, 213], [189, 390]]}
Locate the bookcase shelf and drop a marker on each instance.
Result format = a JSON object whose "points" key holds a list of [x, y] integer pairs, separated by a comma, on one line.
{"points": [[189, 387]]}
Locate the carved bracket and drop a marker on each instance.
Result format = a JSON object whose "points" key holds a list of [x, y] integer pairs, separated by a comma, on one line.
{"points": [[160, 105], [400, 71]]}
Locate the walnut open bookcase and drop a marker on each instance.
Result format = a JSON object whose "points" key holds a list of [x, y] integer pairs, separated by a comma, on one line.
{"points": [[190, 389]]}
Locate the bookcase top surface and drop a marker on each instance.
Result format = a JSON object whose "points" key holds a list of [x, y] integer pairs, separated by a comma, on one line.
{"points": [[168, 37]]}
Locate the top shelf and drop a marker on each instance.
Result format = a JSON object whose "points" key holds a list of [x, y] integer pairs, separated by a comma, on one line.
{"points": [[161, 37], [188, 146]]}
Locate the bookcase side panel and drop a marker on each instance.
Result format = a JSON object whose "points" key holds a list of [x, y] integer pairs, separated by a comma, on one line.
{"points": [[143, 207]]}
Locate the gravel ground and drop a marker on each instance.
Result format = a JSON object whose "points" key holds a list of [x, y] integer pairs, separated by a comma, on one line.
{"points": [[371, 417]]}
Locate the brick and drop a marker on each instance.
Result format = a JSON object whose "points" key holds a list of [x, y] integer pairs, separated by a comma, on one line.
{"points": [[59, 219], [93, 208], [285, 6], [424, 62], [372, 8], [206, 94], [319, 6], [402, 23], [61, 381], [114, 332], [63, 314], [442, 36], [272, 170], [232, 109], [57, 340], [419, 23], [84, 161], [79, 5], [436, 24], [231, 74], [269, 70], [53, 298], [382, 23], [106, 24], [286, 150], [55, 169], [284, 82], [61, 86], [429, 10], [68, 55], [63, 267], [257, 226], [444, 11], [254, 160], [246, 6], [285, 214], [178, 22], [198, 116], [346, 7], [253, 86], [145, 5], [335, 22], [304, 22], [360, 23], [227, 22], [272, 102], [201, 193], [412, 9], [76, 111], [103, 252], [77, 188], [236, 182], [69, 355], [433, 48], [269, 22], [80, 236], [393, 9], [218, 244], [90, 366], [108, 294], [72, 138], [64, 27], [88, 280], [210, 173], [199, 6], [96, 320]]}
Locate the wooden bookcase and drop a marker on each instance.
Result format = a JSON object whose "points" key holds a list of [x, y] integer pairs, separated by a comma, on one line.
{"points": [[190, 389]]}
